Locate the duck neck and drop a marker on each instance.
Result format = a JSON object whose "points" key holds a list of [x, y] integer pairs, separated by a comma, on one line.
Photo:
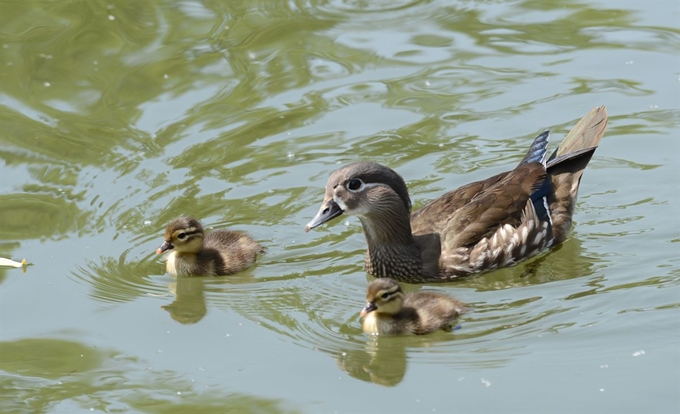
{"points": [[392, 250]]}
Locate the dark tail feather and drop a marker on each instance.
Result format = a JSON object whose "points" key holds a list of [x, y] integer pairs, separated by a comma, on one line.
{"points": [[538, 149], [565, 168]]}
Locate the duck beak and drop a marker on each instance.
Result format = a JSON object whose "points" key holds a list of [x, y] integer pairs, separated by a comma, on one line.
{"points": [[163, 247], [328, 211], [370, 307]]}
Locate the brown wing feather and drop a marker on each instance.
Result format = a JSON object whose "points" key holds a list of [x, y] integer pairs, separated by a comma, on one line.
{"points": [[496, 206], [434, 216]]}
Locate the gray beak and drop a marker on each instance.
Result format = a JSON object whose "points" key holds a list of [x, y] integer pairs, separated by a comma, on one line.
{"points": [[370, 307], [328, 211], [163, 247]]}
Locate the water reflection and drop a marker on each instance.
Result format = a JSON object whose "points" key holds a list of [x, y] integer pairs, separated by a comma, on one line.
{"points": [[38, 215], [193, 295], [321, 312], [189, 305], [383, 361], [569, 260], [119, 280], [47, 374]]}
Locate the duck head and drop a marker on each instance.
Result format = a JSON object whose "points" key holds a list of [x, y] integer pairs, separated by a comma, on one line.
{"points": [[184, 235], [362, 189], [383, 296]]}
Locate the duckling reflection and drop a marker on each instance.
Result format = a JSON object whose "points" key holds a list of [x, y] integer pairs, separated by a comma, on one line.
{"points": [[389, 311], [382, 362], [195, 253], [189, 305]]}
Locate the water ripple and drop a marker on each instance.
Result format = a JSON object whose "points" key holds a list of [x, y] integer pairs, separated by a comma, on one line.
{"points": [[119, 280]]}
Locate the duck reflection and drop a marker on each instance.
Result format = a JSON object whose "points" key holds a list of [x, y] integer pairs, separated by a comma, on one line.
{"points": [[570, 260], [189, 305], [382, 361]]}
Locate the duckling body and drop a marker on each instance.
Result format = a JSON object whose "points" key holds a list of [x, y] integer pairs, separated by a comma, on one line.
{"points": [[481, 226], [195, 253], [389, 311]]}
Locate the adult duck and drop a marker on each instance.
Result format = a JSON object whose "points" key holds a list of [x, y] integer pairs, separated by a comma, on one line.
{"points": [[481, 226]]}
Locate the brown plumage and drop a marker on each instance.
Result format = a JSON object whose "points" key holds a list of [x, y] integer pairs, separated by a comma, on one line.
{"points": [[389, 311], [194, 253], [481, 226]]}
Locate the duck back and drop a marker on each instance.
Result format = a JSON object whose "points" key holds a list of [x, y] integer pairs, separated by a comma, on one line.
{"points": [[230, 251]]}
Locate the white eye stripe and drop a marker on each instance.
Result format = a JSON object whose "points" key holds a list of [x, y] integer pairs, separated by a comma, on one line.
{"points": [[364, 186], [359, 209]]}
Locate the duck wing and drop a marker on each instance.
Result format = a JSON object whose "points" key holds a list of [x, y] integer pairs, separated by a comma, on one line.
{"points": [[464, 216], [489, 195], [501, 204], [434, 216]]}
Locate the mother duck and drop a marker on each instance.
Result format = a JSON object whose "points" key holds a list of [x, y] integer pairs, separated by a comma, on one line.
{"points": [[481, 226]]}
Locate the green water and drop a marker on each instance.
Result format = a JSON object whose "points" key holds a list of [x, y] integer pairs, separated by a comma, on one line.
{"points": [[116, 117]]}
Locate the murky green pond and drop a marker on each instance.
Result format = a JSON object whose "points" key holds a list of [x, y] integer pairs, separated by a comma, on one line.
{"points": [[116, 117]]}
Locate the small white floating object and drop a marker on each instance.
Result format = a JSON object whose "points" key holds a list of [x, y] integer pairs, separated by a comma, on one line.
{"points": [[11, 263]]}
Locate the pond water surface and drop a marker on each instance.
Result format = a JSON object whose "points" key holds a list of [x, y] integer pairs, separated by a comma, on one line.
{"points": [[116, 117]]}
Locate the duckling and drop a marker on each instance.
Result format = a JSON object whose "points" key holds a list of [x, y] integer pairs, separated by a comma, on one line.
{"points": [[221, 252], [481, 226], [389, 311]]}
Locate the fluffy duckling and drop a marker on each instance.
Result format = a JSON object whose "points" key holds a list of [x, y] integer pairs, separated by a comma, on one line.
{"points": [[389, 311], [221, 252], [481, 226]]}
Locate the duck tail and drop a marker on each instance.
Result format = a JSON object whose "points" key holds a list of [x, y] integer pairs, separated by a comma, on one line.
{"points": [[566, 165], [538, 149]]}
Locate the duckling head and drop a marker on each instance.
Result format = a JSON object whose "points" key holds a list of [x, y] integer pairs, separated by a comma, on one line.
{"points": [[362, 189], [184, 234], [383, 296]]}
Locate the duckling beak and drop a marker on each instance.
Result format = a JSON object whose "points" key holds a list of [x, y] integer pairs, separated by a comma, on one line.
{"points": [[370, 307], [163, 247], [328, 211]]}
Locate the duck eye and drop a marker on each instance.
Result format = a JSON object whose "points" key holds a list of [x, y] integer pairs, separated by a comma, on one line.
{"points": [[355, 184], [385, 295], [182, 236]]}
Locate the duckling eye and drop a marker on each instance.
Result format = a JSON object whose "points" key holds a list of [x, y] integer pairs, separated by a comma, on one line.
{"points": [[182, 236], [355, 184], [385, 295]]}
